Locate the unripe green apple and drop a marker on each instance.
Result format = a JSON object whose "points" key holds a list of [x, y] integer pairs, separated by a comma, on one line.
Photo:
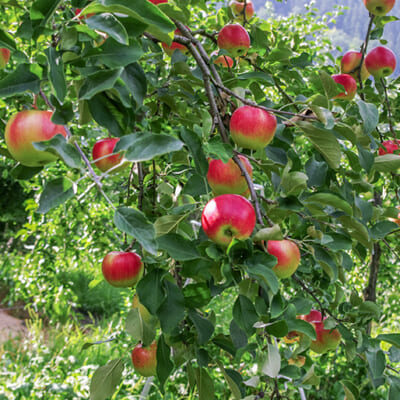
{"points": [[26, 127], [252, 127], [228, 216], [4, 57], [380, 62], [225, 178], [288, 257], [144, 359], [349, 84], [349, 64], [234, 39], [122, 268], [101, 149], [237, 8], [379, 7]]}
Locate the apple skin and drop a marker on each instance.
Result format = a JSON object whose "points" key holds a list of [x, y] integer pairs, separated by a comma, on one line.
{"points": [[4, 57], [390, 145], [175, 46], [288, 255], [228, 216], [225, 178], [237, 9], [103, 147], [29, 126], [350, 61], [252, 127], [122, 268], [158, 1], [86, 16], [234, 39], [327, 339], [379, 7], [380, 62], [144, 359], [349, 84], [223, 60]]}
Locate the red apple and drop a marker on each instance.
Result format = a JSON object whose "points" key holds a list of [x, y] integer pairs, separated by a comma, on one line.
{"points": [[349, 84], [379, 7], [144, 359], [227, 178], [122, 268], [223, 60], [4, 57], [237, 8], [26, 127], [349, 64], [390, 145], [288, 255], [235, 39], [380, 62], [101, 149], [175, 46], [228, 216], [327, 339], [252, 127], [158, 1]]}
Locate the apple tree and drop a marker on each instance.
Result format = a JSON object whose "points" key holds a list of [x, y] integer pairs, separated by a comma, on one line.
{"points": [[302, 266]]}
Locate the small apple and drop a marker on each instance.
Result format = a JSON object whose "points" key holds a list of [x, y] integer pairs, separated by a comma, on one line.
{"points": [[175, 46], [349, 84], [26, 127], [144, 359], [327, 339], [223, 60], [143, 311], [4, 57], [158, 1], [350, 63], [237, 8], [235, 39], [225, 178], [380, 62], [252, 127], [390, 146], [379, 7], [298, 361], [101, 149], [288, 255], [122, 268], [228, 216]]}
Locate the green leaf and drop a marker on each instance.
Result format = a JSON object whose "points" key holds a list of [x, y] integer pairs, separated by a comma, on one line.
{"points": [[381, 229], [204, 327], [196, 295], [55, 193], [369, 114], [6, 40], [138, 329], [56, 73], [387, 163], [136, 82], [178, 247], [231, 383], [135, 223], [244, 313], [172, 310], [357, 230], [105, 379], [394, 390], [325, 142], [301, 326], [205, 385], [21, 172], [392, 338], [107, 23], [238, 336], [167, 223], [377, 362], [98, 82], [277, 328], [164, 364], [195, 146], [331, 88], [366, 158], [151, 290], [271, 364], [350, 390], [311, 378], [19, 81]]}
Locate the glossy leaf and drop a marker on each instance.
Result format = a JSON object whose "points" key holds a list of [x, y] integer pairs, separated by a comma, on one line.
{"points": [[105, 379], [107, 23], [55, 193], [19, 81]]}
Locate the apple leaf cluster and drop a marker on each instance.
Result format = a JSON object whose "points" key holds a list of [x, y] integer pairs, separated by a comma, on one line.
{"points": [[311, 160]]}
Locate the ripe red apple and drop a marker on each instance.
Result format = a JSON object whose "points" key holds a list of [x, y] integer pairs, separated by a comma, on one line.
{"points": [[175, 46], [390, 145], [349, 64], [158, 1], [122, 268], [237, 7], [104, 147], [144, 359], [227, 178], [235, 39], [223, 60], [228, 216], [26, 127], [288, 255], [4, 57], [252, 127], [349, 84], [327, 339], [379, 7], [380, 62]]}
